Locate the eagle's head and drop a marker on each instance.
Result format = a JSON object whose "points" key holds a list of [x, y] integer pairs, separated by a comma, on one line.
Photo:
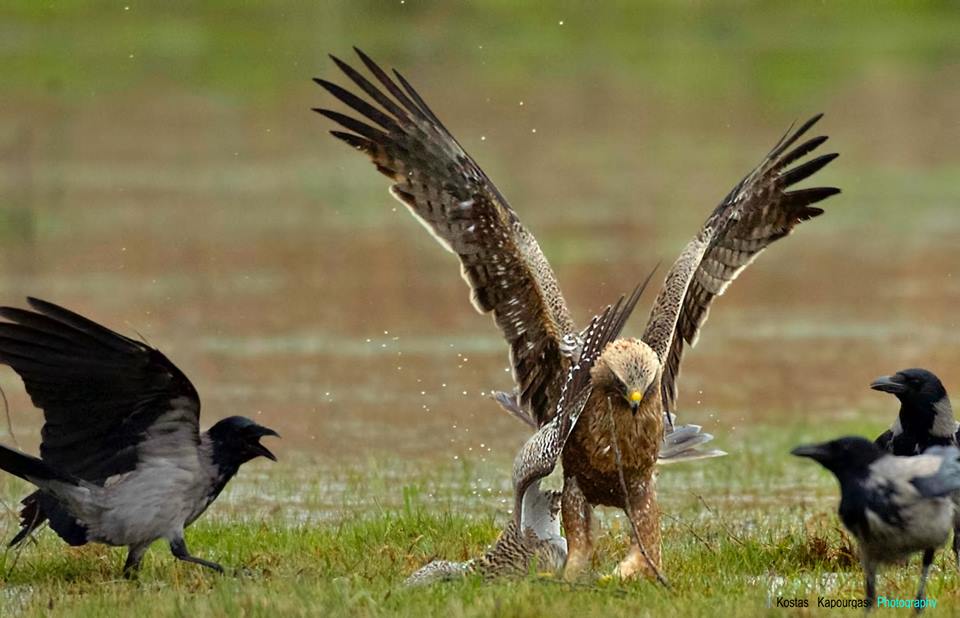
{"points": [[627, 368]]}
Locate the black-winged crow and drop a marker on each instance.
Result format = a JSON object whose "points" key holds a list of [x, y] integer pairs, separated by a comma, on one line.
{"points": [[122, 459]]}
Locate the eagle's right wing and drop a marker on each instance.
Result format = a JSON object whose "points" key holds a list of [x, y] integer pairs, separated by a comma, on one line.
{"points": [[449, 193]]}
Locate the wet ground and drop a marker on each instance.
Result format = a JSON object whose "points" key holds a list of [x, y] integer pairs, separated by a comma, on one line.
{"points": [[270, 264]]}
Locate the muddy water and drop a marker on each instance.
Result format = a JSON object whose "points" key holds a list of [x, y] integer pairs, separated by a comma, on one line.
{"points": [[272, 267]]}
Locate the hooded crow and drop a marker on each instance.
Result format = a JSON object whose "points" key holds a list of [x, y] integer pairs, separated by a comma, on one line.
{"points": [[925, 419], [122, 459], [894, 506]]}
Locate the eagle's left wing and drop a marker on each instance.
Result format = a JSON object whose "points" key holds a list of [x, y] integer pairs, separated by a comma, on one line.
{"points": [[448, 192], [759, 211]]}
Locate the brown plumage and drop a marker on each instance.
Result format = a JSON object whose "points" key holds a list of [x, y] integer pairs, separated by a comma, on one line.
{"points": [[634, 380], [515, 553], [532, 540]]}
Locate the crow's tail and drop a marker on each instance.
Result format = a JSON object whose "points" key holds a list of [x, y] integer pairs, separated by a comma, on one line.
{"points": [[30, 469]]}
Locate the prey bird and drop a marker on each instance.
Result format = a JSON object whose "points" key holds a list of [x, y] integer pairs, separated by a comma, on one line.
{"points": [[634, 381], [532, 539], [122, 459], [894, 506], [925, 419]]}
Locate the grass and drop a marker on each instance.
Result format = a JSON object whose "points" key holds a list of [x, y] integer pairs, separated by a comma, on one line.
{"points": [[738, 533]]}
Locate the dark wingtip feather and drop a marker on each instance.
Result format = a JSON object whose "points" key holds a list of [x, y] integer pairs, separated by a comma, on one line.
{"points": [[354, 140], [802, 150], [785, 141], [357, 126], [367, 60], [806, 126], [389, 84], [805, 170]]}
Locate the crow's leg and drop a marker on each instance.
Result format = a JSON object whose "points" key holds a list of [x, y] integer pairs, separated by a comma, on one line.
{"points": [[870, 580], [178, 547], [956, 543], [643, 510], [927, 561], [134, 556], [576, 514]]}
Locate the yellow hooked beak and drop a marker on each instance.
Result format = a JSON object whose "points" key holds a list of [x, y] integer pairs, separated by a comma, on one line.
{"points": [[635, 397]]}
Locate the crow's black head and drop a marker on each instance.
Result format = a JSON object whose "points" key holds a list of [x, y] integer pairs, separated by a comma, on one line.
{"points": [[843, 456], [914, 385], [922, 400], [237, 440]]}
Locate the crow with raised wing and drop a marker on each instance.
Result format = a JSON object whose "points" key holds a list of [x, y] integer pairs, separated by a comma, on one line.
{"points": [[894, 506], [634, 382], [122, 459]]}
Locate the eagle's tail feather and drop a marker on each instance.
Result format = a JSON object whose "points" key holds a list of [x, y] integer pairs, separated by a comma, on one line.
{"points": [[511, 404], [683, 444]]}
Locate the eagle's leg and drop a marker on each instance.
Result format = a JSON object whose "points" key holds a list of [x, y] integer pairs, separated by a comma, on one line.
{"points": [[646, 514], [576, 514]]}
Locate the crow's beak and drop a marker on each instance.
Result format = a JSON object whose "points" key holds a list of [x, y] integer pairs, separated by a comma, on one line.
{"points": [[817, 452], [263, 451], [260, 449], [888, 384]]}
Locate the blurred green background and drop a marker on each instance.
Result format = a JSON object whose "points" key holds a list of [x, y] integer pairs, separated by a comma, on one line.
{"points": [[160, 170]]}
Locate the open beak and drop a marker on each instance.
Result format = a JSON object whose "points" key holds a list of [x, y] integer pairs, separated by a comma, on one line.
{"points": [[888, 384], [260, 449], [817, 452]]}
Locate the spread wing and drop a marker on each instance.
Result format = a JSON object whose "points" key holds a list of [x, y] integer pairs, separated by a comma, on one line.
{"points": [[760, 210], [102, 394], [447, 192], [539, 454]]}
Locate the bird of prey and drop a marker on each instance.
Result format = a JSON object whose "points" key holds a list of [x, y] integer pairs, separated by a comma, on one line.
{"points": [[634, 382], [925, 419], [894, 506], [122, 459], [532, 538]]}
